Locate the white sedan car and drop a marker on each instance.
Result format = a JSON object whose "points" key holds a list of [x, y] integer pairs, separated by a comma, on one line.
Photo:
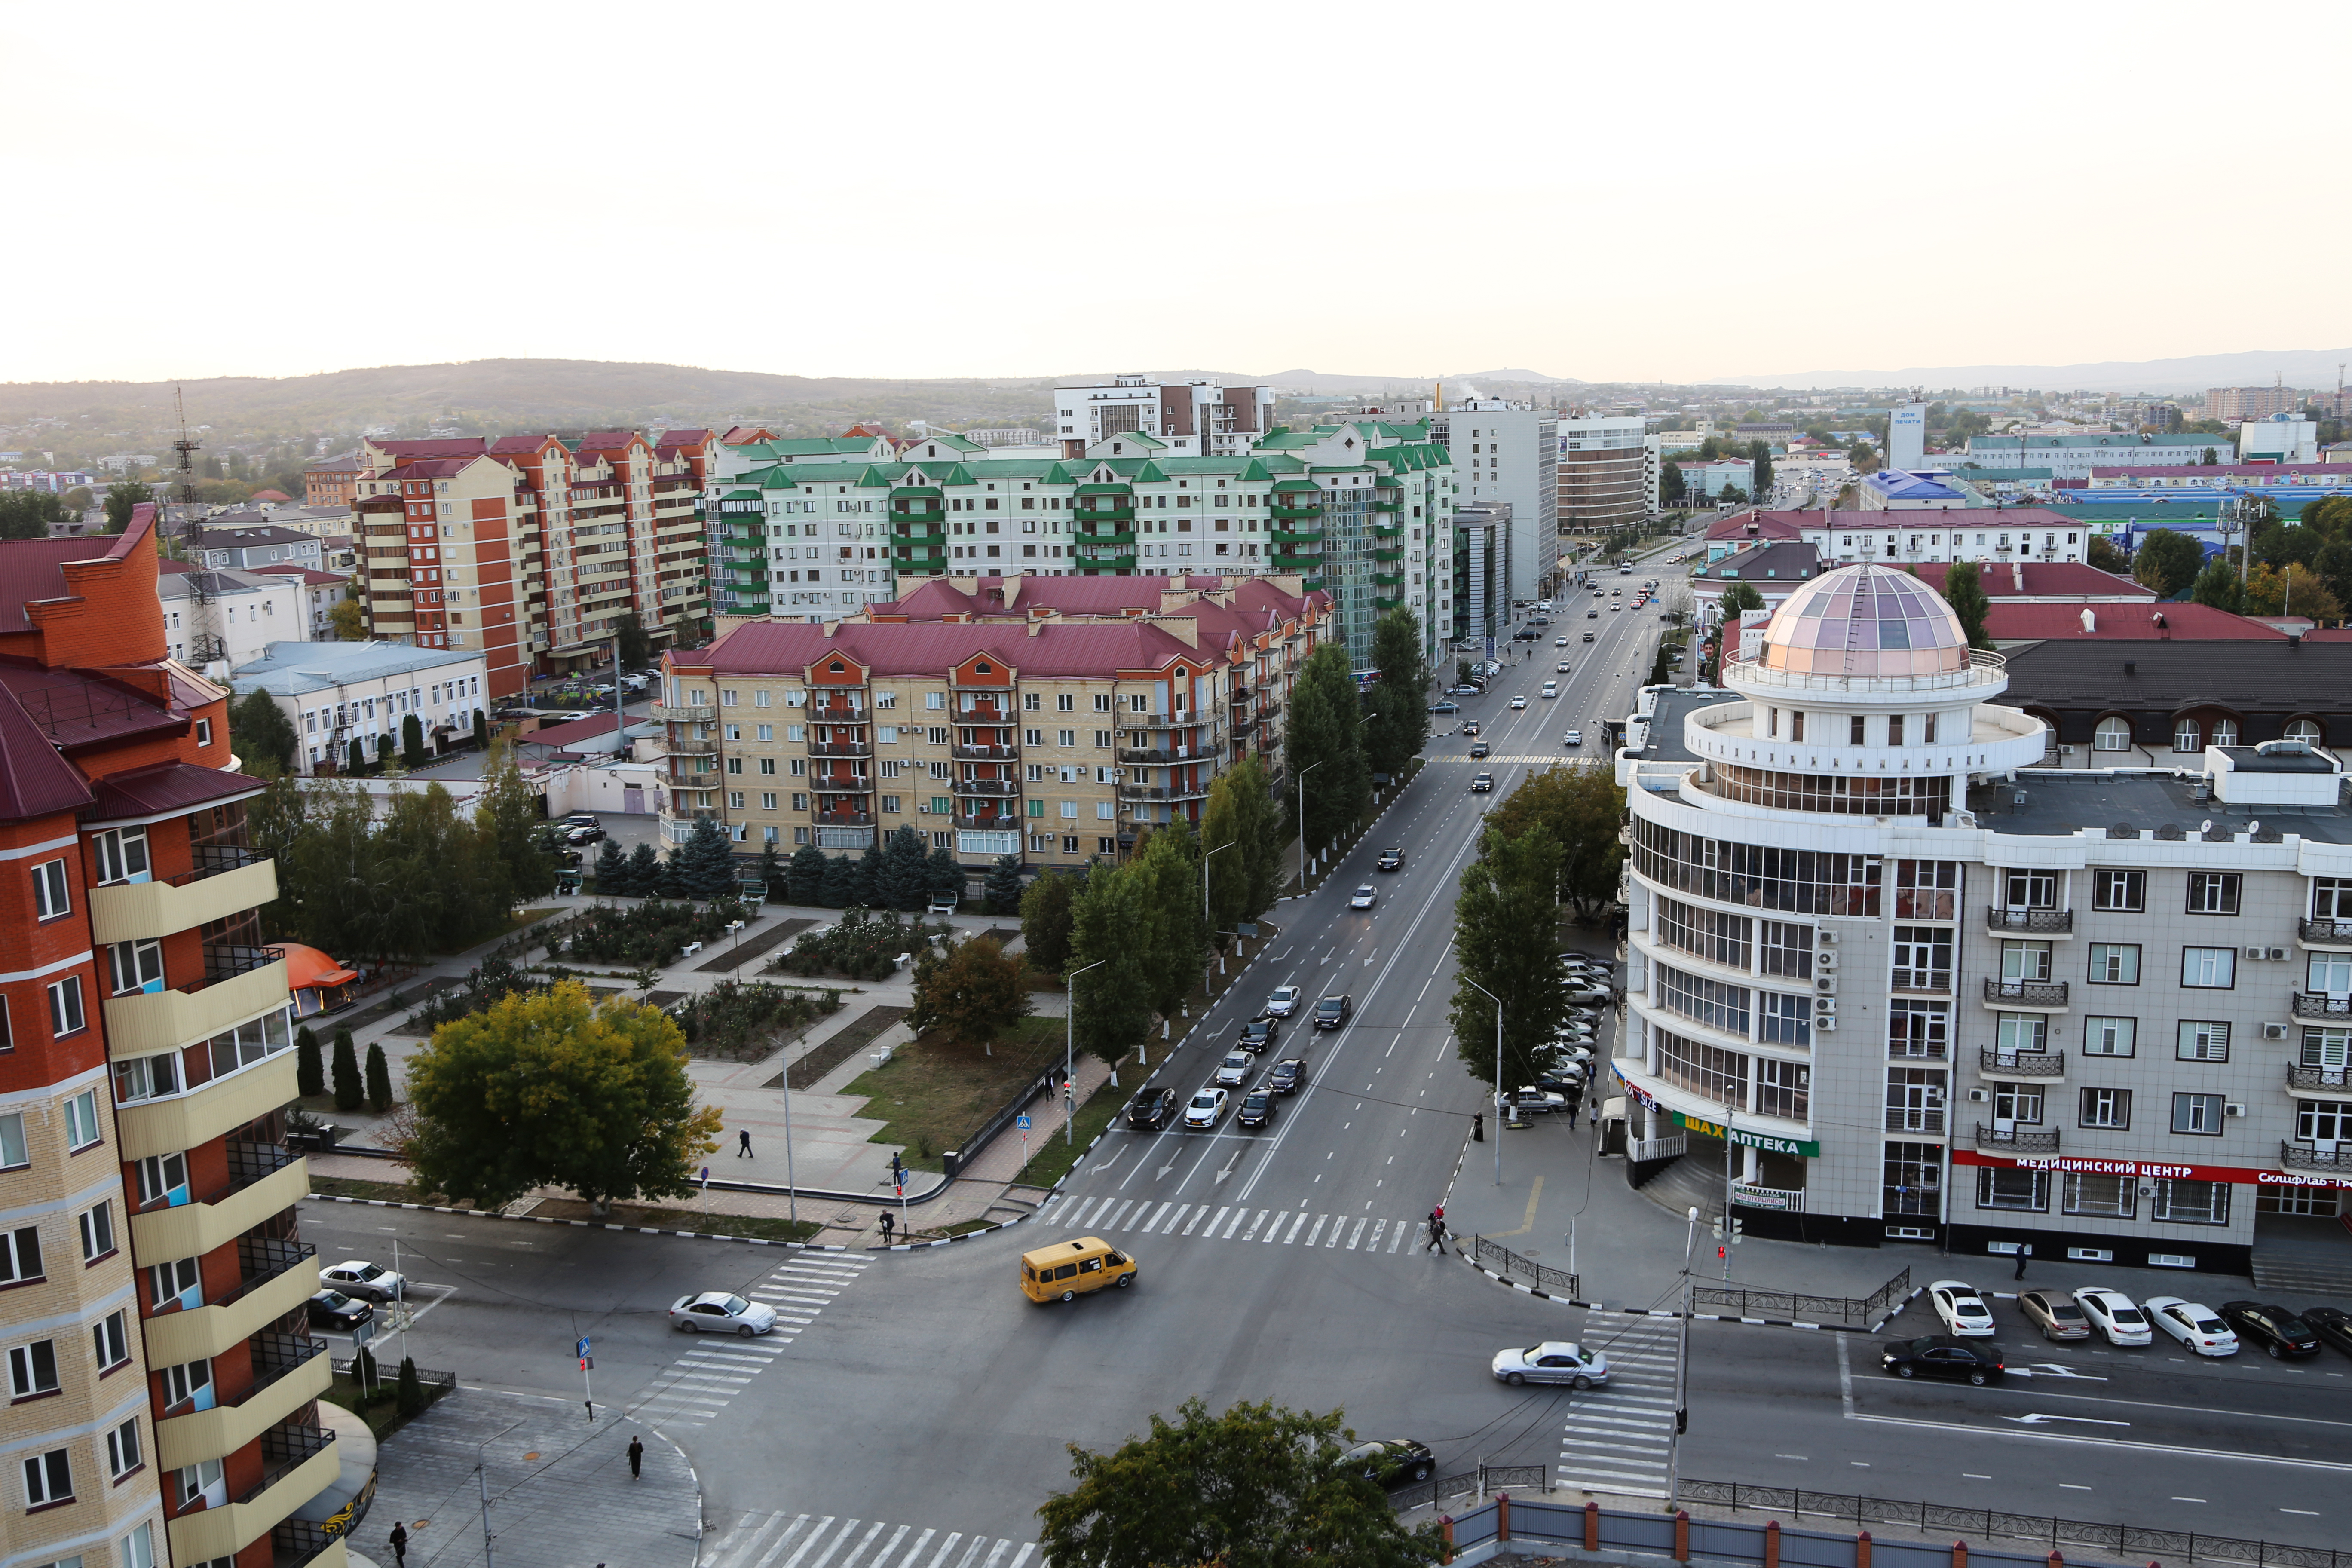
{"points": [[1207, 1108], [721, 1312], [1363, 898], [1282, 1001], [1962, 1310], [358, 1277], [2114, 1314], [1519, 701], [1573, 737], [1554, 1361], [2194, 1324]]}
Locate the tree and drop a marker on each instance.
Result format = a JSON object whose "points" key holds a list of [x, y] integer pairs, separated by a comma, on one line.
{"points": [[309, 1073], [1761, 453], [2219, 587], [261, 735], [412, 742], [1582, 806], [2278, 543], [2168, 562], [349, 1090], [1110, 1007], [2296, 590], [2102, 554], [869, 877], [1325, 735], [379, 1080], [612, 869], [382, 751], [1861, 457], [769, 874], [1257, 1485], [1003, 888], [1046, 920], [644, 871], [1172, 944], [408, 1393], [1399, 725], [1731, 495], [1505, 934], [2209, 460], [356, 760], [549, 1088], [1736, 600], [349, 617], [509, 822], [946, 874], [1672, 491], [839, 889], [1243, 884], [805, 875], [120, 499], [705, 863], [636, 650], [29, 514], [481, 731], [971, 994], [1965, 592], [2333, 567], [905, 880]]}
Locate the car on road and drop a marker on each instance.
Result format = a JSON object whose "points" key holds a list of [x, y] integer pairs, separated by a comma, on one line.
{"points": [[1553, 1361], [1390, 860], [1572, 738], [2193, 1324], [1447, 706], [721, 1312], [1482, 784], [357, 1276], [1258, 1034], [1614, 608], [1207, 1108], [1588, 636], [1391, 1462], [333, 1310], [1559, 642], [1151, 1108], [1550, 688], [1234, 1071], [1287, 1078], [1963, 1311], [1282, 1001], [2332, 1324], [1518, 701], [1941, 1355], [2115, 1315], [1478, 750], [1333, 1011], [2277, 1330], [1590, 615], [1468, 690], [2055, 1314], [1471, 729], [1257, 1109], [1530, 1102], [1579, 993], [1560, 669], [1363, 898]]}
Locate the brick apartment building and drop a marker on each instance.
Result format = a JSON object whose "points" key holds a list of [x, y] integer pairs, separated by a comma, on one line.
{"points": [[165, 1386]]}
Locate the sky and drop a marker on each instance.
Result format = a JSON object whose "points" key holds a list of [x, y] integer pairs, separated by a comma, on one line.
{"points": [[1619, 192]]}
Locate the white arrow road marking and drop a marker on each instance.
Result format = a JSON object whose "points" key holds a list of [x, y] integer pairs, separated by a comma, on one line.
{"points": [[2038, 1420]]}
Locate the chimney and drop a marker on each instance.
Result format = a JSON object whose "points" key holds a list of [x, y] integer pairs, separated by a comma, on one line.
{"points": [[831, 627], [2017, 575], [2090, 621]]}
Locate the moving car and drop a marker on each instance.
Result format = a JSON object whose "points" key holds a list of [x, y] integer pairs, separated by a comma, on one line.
{"points": [[2193, 1324], [1279, 1004], [2332, 1324], [1471, 729], [1151, 1108], [2055, 1314], [1258, 1109], [1363, 898], [1446, 705], [2114, 1314], [1234, 1071], [1333, 1011], [2275, 1328], [1482, 784], [1590, 615], [1559, 642], [1207, 1108], [1961, 1308], [333, 1310], [1573, 737], [1530, 1102], [1588, 636], [1390, 860], [1287, 1078], [721, 1312], [1258, 1034], [1560, 669], [1551, 688], [1554, 1361], [1941, 1355], [1518, 701], [1468, 690], [1478, 750], [357, 1276], [1067, 1268], [1393, 1462]]}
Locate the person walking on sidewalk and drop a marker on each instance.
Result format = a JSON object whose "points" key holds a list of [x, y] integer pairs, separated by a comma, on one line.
{"points": [[2024, 1251], [888, 1222], [743, 1145], [399, 1538], [636, 1459]]}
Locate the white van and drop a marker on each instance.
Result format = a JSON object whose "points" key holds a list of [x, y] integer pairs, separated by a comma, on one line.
{"points": [[1551, 688], [1544, 605]]}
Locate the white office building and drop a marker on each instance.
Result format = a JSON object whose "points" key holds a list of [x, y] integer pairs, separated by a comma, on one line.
{"points": [[1510, 452], [1190, 419]]}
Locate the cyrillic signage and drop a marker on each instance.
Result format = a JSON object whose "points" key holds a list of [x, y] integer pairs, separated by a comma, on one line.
{"points": [[1801, 1148], [2246, 1175]]}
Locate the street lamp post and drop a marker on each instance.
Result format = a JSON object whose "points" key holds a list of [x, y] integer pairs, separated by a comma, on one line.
{"points": [[1070, 1053], [1302, 824], [1681, 1371], [1497, 1001]]}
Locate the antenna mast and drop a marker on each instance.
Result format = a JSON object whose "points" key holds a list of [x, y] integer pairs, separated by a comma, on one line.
{"points": [[202, 644]]}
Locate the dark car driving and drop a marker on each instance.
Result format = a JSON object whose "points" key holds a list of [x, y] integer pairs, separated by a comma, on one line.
{"points": [[1333, 1011], [1390, 860], [1941, 1355], [1392, 1461], [1257, 1035], [1287, 1078], [2274, 1329], [333, 1310], [1258, 1109], [1152, 1107]]}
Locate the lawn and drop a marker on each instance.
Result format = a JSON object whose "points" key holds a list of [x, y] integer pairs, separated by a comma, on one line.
{"points": [[932, 1095], [1053, 1160], [639, 1216]]}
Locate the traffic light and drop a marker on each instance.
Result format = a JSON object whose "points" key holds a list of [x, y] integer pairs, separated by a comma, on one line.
{"points": [[1682, 1422], [1716, 1234], [1737, 1225]]}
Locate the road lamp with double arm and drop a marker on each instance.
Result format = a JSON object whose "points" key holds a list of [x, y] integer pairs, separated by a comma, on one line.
{"points": [[1497, 1001], [1070, 1054]]}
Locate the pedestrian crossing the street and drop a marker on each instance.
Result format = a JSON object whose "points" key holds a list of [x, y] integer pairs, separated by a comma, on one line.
{"points": [[833, 1541], [1114, 1216], [701, 1382], [1617, 1438]]}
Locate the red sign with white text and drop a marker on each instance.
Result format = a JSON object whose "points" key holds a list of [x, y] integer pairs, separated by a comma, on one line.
{"points": [[2154, 1170]]}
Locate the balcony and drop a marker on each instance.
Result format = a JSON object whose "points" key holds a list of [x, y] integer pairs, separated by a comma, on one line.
{"points": [[236, 1315], [1288, 536], [2051, 993], [186, 1229], [1148, 757], [194, 1434], [148, 1022], [1916, 1119], [1161, 793], [2324, 933], [225, 881], [842, 818], [987, 753], [2016, 1139], [2318, 1004], [2044, 923], [1992, 1062], [840, 748], [999, 823], [298, 1469], [1296, 510], [985, 786], [1241, 693], [2330, 1080], [2306, 1157], [1180, 720]]}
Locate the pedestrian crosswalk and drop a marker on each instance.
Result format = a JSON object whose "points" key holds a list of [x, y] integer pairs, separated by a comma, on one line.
{"points": [[833, 1541], [1110, 1215], [701, 1382], [1617, 1436]]}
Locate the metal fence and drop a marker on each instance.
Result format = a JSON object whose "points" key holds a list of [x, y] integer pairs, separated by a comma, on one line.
{"points": [[389, 1371], [2171, 1546], [1806, 1309], [1483, 1482], [1558, 1281]]}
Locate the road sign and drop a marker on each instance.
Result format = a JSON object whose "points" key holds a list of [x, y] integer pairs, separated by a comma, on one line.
{"points": [[581, 1349], [1022, 1122]]}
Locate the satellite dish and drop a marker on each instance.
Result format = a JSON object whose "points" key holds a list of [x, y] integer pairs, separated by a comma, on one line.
{"points": [[2206, 825]]}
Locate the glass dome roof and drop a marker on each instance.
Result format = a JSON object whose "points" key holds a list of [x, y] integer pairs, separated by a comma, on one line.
{"points": [[1866, 620]]}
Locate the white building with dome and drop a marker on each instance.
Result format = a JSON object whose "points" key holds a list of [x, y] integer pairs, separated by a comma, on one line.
{"points": [[1929, 997]]}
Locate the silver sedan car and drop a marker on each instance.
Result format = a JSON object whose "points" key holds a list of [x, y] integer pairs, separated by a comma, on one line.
{"points": [[721, 1312]]}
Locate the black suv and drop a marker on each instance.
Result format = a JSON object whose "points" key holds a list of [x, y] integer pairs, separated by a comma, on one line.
{"points": [[1258, 1034], [1941, 1355], [1391, 1462], [2274, 1329], [1391, 861], [1334, 1011], [1258, 1109], [1152, 1107], [1287, 1078]]}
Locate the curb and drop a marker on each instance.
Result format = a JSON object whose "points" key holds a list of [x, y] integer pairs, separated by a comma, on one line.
{"points": [[1667, 1312], [1051, 1193], [583, 1223]]}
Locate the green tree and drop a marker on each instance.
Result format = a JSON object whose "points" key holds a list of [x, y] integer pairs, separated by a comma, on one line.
{"points": [[2219, 587], [356, 758], [1110, 922], [408, 1396], [1861, 457], [770, 873], [1258, 1485], [2295, 590], [1046, 920], [1582, 806], [2102, 554], [1737, 599], [1761, 453], [481, 731], [612, 869], [905, 880], [412, 742], [1003, 888], [947, 873], [120, 499], [310, 1072], [637, 647], [508, 820], [839, 889], [2333, 567], [349, 617], [1167, 874], [1399, 725], [869, 877], [1325, 736], [2278, 543], [1244, 882], [27, 514], [382, 752], [379, 1080], [1506, 935], [2167, 562], [548, 1089], [706, 863], [261, 735], [351, 1091], [644, 871], [1672, 491], [805, 877], [1965, 592], [971, 993]]}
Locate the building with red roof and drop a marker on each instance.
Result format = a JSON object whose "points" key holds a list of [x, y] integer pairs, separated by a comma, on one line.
{"points": [[1990, 535], [2016, 623], [2043, 581]]}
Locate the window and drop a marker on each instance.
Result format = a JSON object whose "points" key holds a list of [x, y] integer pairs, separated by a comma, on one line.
{"points": [[20, 1256], [1710, 1002], [1853, 731], [122, 1449], [2110, 1037], [2112, 734], [2115, 964], [1918, 1028], [33, 1368], [121, 855], [64, 1007], [1914, 1181], [2329, 974], [2106, 1108], [2001, 1189], [1915, 1100], [2015, 1032], [1923, 959], [1065, 703], [2187, 736], [1720, 938], [1787, 949], [205, 731], [2208, 968], [11, 1141], [2122, 890], [139, 1551], [2030, 890], [2331, 899], [111, 1338], [97, 1227], [1783, 1088], [2203, 1040], [2213, 892], [201, 1481], [2325, 1047], [1706, 1071], [1783, 1019], [81, 1119], [2017, 1104], [2305, 729], [136, 966], [178, 1280], [2025, 961], [2108, 1197], [2191, 1202], [48, 1480], [2197, 1113], [189, 1381], [161, 1175]]}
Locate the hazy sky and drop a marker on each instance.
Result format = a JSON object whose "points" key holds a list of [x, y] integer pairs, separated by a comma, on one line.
{"points": [[1622, 191]]}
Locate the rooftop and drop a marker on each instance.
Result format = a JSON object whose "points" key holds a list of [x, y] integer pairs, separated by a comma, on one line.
{"points": [[2067, 579], [2059, 802], [1867, 620], [2253, 676], [291, 668], [1664, 743], [2123, 621]]}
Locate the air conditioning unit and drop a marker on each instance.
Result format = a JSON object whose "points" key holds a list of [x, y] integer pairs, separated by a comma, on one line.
{"points": [[2278, 955], [2065, 751], [1979, 1096], [2255, 953], [1826, 984], [1825, 962], [923, 809], [2274, 1031], [1825, 1021], [1826, 938], [2232, 1107]]}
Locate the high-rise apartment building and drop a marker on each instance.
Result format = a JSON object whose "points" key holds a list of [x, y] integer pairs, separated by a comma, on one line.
{"points": [[1510, 452], [1193, 418], [1482, 571], [2231, 404], [1604, 475], [164, 1383]]}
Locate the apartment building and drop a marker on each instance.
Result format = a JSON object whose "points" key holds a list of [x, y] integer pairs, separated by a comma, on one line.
{"points": [[2073, 457], [223, 619], [338, 693], [1891, 996], [331, 482], [2232, 404], [164, 1383], [1510, 452], [2028, 534], [1605, 476], [1191, 419], [249, 547], [1050, 719]]}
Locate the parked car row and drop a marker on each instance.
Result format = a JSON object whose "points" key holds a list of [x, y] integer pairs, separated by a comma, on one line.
{"points": [[2061, 1315]]}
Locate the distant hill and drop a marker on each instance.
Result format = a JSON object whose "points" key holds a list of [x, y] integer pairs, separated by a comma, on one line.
{"points": [[2299, 367]]}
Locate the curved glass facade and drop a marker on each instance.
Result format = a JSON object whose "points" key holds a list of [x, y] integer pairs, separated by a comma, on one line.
{"points": [[1849, 795], [1866, 620], [1761, 876]]}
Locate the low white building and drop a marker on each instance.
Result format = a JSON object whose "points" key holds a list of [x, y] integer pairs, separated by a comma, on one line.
{"points": [[320, 593], [214, 621], [337, 692]]}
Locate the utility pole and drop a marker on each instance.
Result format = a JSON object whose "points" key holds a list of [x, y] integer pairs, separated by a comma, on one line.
{"points": [[1497, 1001], [1302, 825], [1682, 1373], [1070, 1053]]}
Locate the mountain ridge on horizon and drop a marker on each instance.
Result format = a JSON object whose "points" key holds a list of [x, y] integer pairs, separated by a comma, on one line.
{"points": [[2190, 372]]}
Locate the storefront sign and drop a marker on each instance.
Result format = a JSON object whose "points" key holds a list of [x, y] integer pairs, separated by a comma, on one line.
{"points": [[1801, 1148], [2155, 1171], [1765, 1197]]}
